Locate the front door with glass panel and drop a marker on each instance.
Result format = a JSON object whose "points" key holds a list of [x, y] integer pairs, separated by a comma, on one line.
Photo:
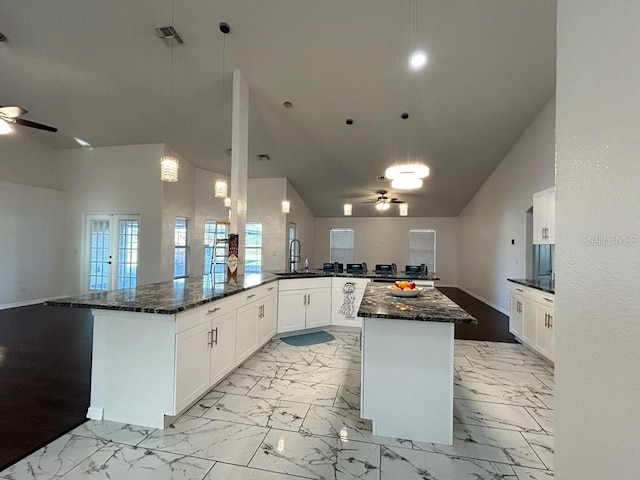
{"points": [[112, 252]]}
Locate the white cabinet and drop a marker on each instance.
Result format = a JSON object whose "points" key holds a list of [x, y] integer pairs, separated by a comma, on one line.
{"points": [[256, 320], [205, 349], [544, 216], [345, 300], [304, 303], [531, 318]]}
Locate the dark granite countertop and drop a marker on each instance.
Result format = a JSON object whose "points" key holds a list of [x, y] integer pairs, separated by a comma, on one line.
{"points": [[166, 297], [370, 275], [544, 285], [429, 306]]}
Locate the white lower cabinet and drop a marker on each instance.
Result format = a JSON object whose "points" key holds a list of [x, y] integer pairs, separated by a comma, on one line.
{"points": [[255, 321], [302, 308], [531, 319], [205, 352]]}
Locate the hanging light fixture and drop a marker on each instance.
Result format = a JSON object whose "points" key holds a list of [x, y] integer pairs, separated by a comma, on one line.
{"points": [[348, 209], [286, 206], [220, 188], [403, 209], [169, 164], [382, 206], [227, 202], [418, 57], [5, 127], [169, 169]]}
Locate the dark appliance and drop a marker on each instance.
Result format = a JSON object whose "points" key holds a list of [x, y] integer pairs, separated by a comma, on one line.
{"points": [[413, 270], [355, 268], [384, 269]]}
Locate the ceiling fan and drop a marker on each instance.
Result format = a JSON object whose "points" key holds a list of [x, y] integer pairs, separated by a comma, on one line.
{"points": [[383, 202], [12, 114]]}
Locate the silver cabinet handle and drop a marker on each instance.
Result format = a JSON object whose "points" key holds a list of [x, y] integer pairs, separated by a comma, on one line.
{"points": [[519, 290], [251, 296], [309, 299], [546, 319], [271, 288], [210, 338], [550, 318], [548, 299], [213, 310], [214, 340]]}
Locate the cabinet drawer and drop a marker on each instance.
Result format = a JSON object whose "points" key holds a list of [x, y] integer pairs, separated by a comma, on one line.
{"points": [[209, 311], [303, 283], [544, 298]]}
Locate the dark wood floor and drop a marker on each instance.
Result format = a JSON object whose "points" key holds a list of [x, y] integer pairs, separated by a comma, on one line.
{"points": [[45, 376], [45, 369], [492, 324]]}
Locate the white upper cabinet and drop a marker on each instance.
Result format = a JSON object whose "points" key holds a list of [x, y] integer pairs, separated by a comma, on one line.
{"points": [[544, 216]]}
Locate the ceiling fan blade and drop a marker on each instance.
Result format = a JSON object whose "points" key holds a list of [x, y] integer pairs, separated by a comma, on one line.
{"points": [[12, 111], [395, 200], [29, 123]]}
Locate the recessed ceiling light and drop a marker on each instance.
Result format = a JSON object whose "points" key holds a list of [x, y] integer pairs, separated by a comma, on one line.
{"points": [[418, 60], [81, 142]]}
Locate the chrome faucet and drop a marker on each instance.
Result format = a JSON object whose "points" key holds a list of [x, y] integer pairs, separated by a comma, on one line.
{"points": [[294, 258]]}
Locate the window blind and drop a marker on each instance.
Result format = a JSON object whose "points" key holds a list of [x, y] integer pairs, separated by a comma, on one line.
{"points": [[422, 248], [341, 245]]}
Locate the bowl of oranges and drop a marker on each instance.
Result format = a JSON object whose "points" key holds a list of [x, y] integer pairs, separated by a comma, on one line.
{"points": [[404, 288]]}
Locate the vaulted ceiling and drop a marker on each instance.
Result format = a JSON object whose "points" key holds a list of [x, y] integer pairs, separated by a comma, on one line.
{"points": [[99, 72]]}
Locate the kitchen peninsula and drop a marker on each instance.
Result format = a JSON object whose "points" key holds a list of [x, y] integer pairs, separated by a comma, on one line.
{"points": [[407, 363], [158, 348]]}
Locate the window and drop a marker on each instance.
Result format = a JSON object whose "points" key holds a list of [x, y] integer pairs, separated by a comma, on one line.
{"points": [[127, 253], [213, 232], [422, 248], [341, 245], [253, 248], [181, 241]]}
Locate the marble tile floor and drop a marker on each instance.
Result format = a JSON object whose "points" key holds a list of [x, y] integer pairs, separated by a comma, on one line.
{"points": [[293, 413]]}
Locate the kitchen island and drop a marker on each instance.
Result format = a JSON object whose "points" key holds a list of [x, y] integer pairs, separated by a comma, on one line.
{"points": [[407, 363], [158, 348]]}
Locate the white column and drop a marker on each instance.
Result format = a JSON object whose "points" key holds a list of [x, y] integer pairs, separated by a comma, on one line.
{"points": [[239, 161], [597, 237]]}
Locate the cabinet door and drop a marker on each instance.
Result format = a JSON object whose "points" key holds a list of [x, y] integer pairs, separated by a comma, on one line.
{"points": [[529, 322], [516, 314], [269, 319], [539, 217], [223, 348], [192, 364], [291, 310], [544, 331], [551, 217], [247, 330], [318, 307]]}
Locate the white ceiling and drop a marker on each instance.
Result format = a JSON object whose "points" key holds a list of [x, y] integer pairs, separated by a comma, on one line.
{"points": [[98, 72]]}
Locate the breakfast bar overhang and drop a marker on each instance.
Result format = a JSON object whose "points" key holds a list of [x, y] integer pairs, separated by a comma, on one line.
{"points": [[407, 363]]}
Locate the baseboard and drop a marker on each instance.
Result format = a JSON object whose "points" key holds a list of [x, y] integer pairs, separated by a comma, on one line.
{"points": [[446, 285], [94, 413], [26, 303], [484, 300]]}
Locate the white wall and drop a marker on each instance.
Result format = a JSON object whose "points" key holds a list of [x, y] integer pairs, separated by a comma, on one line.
{"points": [[26, 161], [305, 228], [264, 201], [597, 281], [32, 229], [386, 240], [497, 214], [122, 179]]}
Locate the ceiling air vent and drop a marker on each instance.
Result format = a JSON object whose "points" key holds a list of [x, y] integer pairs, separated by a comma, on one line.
{"points": [[169, 35], [264, 156]]}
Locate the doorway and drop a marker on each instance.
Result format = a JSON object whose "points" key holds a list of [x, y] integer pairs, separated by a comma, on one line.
{"points": [[112, 252]]}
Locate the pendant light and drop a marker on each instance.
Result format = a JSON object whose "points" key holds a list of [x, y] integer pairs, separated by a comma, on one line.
{"points": [[348, 209], [286, 206], [169, 164], [403, 209], [220, 189], [418, 57]]}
